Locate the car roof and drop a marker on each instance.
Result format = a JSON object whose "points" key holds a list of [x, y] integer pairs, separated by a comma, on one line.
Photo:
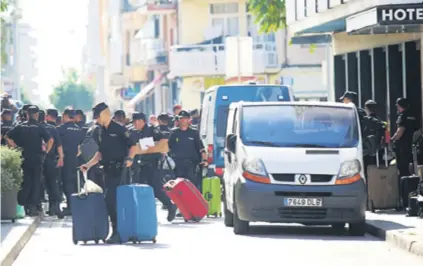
{"points": [[302, 103], [214, 88]]}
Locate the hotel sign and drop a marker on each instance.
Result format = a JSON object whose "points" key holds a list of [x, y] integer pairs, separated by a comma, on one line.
{"points": [[400, 14]]}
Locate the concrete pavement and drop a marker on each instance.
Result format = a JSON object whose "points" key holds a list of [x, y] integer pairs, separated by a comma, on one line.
{"points": [[397, 229], [211, 243]]}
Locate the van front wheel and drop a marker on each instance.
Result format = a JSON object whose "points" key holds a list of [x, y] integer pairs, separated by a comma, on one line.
{"points": [[240, 227]]}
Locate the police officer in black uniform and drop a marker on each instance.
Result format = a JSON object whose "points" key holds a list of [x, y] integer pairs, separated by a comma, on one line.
{"points": [[120, 117], [23, 114], [80, 120], [146, 166], [403, 137], [116, 150], [187, 149], [52, 162], [29, 136], [164, 121], [6, 123], [71, 136]]}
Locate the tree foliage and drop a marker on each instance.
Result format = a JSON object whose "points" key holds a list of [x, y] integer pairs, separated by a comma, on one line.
{"points": [[269, 14], [3, 5], [72, 92]]}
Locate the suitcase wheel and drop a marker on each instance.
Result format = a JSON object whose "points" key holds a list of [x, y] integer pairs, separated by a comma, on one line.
{"points": [[96, 241], [75, 242], [371, 206], [85, 242], [220, 214], [154, 240], [104, 241], [134, 241], [186, 220]]}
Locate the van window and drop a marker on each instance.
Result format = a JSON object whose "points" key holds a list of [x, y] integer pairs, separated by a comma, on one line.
{"points": [[235, 125], [221, 118], [299, 126], [204, 117]]}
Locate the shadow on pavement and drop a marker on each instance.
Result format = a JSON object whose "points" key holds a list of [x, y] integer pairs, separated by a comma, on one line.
{"points": [[304, 233], [183, 224], [388, 225]]}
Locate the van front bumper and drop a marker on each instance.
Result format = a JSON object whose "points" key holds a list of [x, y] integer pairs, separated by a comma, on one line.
{"points": [[258, 202]]}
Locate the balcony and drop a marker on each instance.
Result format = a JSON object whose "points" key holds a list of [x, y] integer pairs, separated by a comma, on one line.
{"points": [[209, 59], [157, 7], [149, 53]]}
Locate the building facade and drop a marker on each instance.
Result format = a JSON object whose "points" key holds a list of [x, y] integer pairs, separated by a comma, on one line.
{"points": [[375, 47]]}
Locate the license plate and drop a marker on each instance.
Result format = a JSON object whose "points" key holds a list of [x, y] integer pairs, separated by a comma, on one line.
{"points": [[303, 202]]}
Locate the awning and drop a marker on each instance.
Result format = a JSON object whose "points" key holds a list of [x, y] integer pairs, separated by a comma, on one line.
{"points": [[336, 25], [387, 19], [146, 90]]}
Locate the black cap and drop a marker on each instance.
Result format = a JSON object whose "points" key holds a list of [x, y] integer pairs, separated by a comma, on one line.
{"points": [[349, 95], [79, 112], [184, 114], [69, 112], [98, 109], [139, 116], [25, 107], [33, 109], [7, 112], [370, 103], [120, 113], [403, 102], [52, 112]]}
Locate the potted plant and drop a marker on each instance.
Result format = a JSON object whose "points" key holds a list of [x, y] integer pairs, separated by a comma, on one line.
{"points": [[11, 179]]}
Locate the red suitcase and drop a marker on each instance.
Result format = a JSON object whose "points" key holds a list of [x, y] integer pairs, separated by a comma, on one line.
{"points": [[187, 198]]}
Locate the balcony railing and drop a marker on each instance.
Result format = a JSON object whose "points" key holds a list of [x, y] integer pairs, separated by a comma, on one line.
{"points": [[197, 60], [148, 52]]}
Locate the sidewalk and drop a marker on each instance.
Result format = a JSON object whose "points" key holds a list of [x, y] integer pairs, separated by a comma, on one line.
{"points": [[394, 227], [14, 237]]}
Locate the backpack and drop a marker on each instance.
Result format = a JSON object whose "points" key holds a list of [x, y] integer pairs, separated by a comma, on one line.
{"points": [[89, 146]]}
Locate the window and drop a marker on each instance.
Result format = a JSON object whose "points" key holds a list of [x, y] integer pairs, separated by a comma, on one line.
{"points": [[235, 122], [253, 31], [225, 17], [156, 26]]}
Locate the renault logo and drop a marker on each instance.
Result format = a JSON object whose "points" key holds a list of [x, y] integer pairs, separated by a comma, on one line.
{"points": [[302, 179]]}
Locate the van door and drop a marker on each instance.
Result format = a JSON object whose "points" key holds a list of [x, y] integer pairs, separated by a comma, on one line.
{"points": [[230, 158]]}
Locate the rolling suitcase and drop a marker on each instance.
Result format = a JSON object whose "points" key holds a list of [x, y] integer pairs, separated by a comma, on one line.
{"points": [[383, 186], [187, 198], [90, 220], [136, 212], [409, 187], [212, 194]]}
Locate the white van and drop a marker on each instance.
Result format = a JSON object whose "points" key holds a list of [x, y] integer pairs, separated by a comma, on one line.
{"points": [[294, 162], [214, 113]]}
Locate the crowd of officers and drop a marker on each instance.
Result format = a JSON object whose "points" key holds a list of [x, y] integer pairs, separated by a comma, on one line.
{"points": [[402, 139], [51, 151]]}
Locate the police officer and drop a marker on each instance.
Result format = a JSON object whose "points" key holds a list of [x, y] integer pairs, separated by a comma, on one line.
{"points": [[52, 162], [71, 136], [164, 121], [177, 108], [29, 136], [23, 114], [116, 150], [6, 123], [80, 120], [146, 166], [351, 97], [187, 149], [403, 137], [59, 121], [120, 117]]}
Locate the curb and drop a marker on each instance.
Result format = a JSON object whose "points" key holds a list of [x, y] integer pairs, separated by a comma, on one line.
{"points": [[13, 253], [397, 239]]}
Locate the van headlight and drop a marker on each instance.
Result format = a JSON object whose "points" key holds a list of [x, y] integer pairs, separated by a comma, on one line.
{"points": [[349, 172], [254, 170]]}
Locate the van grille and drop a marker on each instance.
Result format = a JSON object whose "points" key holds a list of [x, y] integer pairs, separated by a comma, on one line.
{"points": [[303, 213], [321, 178], [284, 177]]}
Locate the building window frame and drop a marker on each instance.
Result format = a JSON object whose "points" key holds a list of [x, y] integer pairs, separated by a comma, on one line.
{"points": [[229, 13]]}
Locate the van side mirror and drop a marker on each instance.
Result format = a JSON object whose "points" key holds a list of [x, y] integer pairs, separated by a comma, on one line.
{"points": [[231, 142]]}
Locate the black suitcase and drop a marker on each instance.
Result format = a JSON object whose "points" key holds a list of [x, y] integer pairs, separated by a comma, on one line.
{"points": [[409, 186]]}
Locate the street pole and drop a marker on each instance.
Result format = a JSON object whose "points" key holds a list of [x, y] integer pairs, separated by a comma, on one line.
{"points": [[238, 50], [16, 36]]}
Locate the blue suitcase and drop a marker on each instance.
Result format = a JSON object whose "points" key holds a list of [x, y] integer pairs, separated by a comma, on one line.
{"points": [[90, 220], [136, 213]]}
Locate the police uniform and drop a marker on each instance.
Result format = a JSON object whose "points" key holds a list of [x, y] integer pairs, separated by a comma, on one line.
{"points": [[71, 136], [146, 166], [186, 150], [114, 143], [51, 171], [29, 136], [6, 125]]}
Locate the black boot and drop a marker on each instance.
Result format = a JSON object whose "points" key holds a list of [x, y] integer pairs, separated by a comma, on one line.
{"points": [[114, 238], [171, 212], [67, 212], [55, 208], [32, 211]]}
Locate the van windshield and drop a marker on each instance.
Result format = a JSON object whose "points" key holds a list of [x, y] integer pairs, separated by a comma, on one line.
{"points": [[299, 126]]}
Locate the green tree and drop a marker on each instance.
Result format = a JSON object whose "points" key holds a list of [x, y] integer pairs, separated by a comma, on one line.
{"points": [[71, 92], [269, 14], [24, 97], [3, 5]]}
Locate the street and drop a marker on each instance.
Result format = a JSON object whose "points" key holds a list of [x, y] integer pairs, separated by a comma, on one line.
{"points": [[211, 243]]}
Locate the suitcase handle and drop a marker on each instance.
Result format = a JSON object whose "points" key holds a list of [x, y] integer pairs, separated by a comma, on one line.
{"points": [[126, 176], [78, 181]]}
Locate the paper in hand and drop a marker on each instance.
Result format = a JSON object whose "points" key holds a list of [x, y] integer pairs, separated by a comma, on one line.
{"points": [[146, 143]]}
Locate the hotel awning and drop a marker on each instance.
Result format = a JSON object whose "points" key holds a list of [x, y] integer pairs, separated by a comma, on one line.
{"points": [[146, 90], [387, 19]]}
